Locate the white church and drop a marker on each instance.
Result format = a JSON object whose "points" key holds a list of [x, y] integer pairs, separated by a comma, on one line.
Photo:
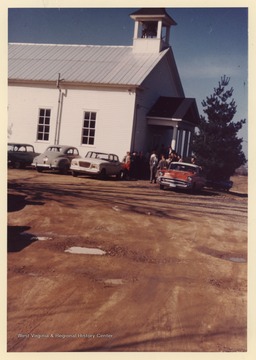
{"points": [[102, 98]]}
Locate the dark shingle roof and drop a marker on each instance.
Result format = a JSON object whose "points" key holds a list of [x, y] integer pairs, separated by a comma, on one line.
{"points": [[175, 108]]}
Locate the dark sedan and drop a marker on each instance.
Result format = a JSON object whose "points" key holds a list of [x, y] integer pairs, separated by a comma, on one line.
{"points": [[20, 155]]}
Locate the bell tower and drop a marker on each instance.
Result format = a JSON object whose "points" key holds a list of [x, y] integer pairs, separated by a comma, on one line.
{"points": [[151, 30]]}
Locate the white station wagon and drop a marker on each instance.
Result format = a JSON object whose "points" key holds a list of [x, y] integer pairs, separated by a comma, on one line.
{"points": [[99, 164]]}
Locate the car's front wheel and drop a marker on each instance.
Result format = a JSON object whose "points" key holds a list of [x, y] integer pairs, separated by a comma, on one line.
{"points": [[103, 174], [64, 168], [120, 175], [74, 173], [18, 165], [193, 188]]}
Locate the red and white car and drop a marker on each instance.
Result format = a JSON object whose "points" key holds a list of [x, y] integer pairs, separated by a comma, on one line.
{"points": [[182, 176]]}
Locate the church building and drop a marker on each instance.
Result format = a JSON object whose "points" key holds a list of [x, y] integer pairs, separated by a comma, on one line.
{"points": [[102, 98]]}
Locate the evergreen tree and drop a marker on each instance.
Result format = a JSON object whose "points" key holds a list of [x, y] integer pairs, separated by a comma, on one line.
{"points": [[216, 145]]}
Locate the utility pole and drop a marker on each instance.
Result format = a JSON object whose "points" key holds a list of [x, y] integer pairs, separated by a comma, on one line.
{"points": [[57, 130]]}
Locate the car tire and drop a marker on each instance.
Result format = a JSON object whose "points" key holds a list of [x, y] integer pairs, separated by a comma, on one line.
{"points": [[120, 175], [193, 189], [161, 187], [38, 169], [74, 173], [17, 165], [103, 174], [64, 169]]}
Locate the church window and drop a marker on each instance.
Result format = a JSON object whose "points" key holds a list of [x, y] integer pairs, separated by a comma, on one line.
{"points": [[88, 130], [43, 127]]}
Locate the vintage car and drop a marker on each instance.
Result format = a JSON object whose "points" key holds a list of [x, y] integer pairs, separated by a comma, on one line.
{"points": [[182, 176], [224, 185], [99, 164], [56, 157], [20, 155]]}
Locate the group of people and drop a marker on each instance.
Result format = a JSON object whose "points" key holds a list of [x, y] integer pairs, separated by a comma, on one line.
{"points": [[135, 165], [138, 166], [156, 164]]}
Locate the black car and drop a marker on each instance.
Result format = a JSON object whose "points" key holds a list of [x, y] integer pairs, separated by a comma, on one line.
{"points": [[20, 155], [224, 185]]}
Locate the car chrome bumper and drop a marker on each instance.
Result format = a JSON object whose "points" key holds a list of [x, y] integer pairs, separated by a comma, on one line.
{"points": [[83, 170], [174, 183], [45, 166]]}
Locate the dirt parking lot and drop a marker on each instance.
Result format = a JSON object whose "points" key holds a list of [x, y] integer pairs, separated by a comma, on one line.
{"points": [[124, 266]]}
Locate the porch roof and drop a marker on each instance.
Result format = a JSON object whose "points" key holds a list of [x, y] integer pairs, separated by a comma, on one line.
{"points": [[175, 109]]}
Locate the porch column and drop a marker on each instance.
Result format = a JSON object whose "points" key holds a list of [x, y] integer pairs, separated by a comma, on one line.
{"points": [[174, 137], [136, 30], [159, 29], [183, 137], [189, 143]]}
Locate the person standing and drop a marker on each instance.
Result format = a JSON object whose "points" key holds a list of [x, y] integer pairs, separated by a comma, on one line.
{"points": [[162, 163], [193, 160], [153, 162], [127, 164]]}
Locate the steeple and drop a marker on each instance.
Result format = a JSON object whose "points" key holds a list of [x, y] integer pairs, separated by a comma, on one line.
{"points": [[151, 30]]}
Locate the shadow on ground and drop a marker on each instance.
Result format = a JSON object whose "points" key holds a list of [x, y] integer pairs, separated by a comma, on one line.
{"points": [[18, 202], [18, 239]]}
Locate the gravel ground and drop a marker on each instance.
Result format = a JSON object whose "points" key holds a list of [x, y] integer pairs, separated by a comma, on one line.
{"points": [[124, 266]]}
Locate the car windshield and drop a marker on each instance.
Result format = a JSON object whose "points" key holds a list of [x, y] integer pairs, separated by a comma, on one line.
{"points": [[54, 149], [22, 148], [10, 147], [182, 167], [96, 155], [30, 148]]}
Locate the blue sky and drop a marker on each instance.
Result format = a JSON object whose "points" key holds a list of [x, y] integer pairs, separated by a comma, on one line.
{"points": [[207, 42]]}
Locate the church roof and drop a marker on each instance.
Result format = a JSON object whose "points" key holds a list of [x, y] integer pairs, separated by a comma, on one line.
{"points": [[159, 13], [83, 64]]}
